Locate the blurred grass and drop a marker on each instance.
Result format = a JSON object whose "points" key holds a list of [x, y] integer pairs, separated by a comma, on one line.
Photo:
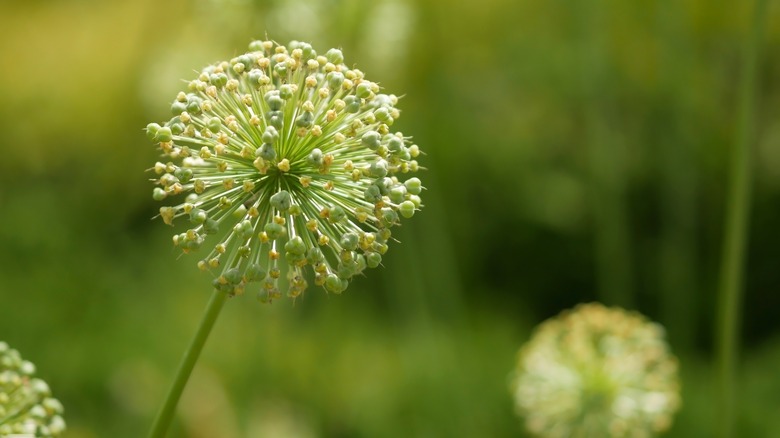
{"points": [[511, 100]]}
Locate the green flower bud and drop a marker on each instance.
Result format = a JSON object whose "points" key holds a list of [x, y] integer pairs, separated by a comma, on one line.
{"points": [[233, 276], [281, 200], [248, 60], [315, 158], [370, 140], [254, 272], [256, 46], [389, 217], [406, 209], [210, 226], [383, 235], [219, 80], [239, 212], [382, 114], [280, 69], [223, 285], [244, 229], [372, 194], [397, 194], [274, 101], [257, 77], [198, 216], [276, 119], [381, 248], [335, 56], [363, 89], [305, 120], [337, 214], [52, 406], [345, 271], [335, 284], [378, 169], [373, 259], [349, 241], [413, 186], [286, 92], [177, 127], [394, 144], [384, 184], [164, 134], [266, 151], [295, 259], [151, 130], [308, 51], [38, 386], [315, 255], [214, 124], [352, 104], [193, 104], [159, 194], [274, 230], [335, 79], [178, 107], [360, 263], [295, 246], [271, 135], [183, 174]]}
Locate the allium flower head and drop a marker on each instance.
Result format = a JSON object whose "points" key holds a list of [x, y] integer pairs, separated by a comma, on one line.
{"points": [[289, 157], [596, 372], [26, 406]]}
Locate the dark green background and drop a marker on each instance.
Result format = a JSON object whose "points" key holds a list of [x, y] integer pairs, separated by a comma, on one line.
{"points": [[577, 151]]}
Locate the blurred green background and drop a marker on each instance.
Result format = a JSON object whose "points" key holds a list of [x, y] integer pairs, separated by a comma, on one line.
{"points": [[577, 151]]}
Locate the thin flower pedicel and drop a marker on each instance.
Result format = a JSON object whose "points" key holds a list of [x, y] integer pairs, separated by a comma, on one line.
{"points": [[289, 155]]}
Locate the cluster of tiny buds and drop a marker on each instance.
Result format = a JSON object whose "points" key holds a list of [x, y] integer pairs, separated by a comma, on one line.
{"points": [[289, 157], [597, 371], [26, 405]]}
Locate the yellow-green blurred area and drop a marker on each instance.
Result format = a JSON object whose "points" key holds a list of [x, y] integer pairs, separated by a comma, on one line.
{"points": [[576, 151]]}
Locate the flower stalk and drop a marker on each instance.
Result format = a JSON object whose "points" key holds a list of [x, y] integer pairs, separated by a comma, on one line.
{"points": [[735, 233], [164, 417]]}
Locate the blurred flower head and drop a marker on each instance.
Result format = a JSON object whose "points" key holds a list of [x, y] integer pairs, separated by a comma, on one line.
{"points": [[596, 372], [26, 405], [289, 157]]}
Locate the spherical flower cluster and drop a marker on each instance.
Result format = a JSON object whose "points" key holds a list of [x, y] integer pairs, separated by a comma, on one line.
{"points": [[289, 156], [26, 405], [596, 372]]}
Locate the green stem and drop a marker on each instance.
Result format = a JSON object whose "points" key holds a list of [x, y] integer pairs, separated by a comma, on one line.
{"points": [[605, 159], [164, 417], [734, 243]]}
